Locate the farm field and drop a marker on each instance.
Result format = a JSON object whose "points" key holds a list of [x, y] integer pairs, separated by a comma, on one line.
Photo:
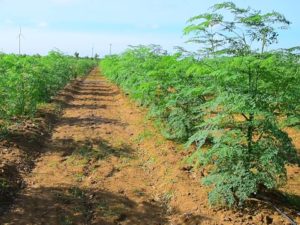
{"points": [[207, 134], [27, 81], [101, 165]]}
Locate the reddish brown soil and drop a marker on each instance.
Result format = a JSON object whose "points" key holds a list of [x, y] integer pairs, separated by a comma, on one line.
{"points": [[106, 164]]}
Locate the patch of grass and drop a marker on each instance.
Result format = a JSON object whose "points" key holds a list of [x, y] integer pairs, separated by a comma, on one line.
{"points": [[76, 199], [164, 152], [64, 199], [53, 164], [147, 165], [159, 143], [138, 192], [65, 220], [100, 152], [125, 160], [111, 209], [79, 177], [76, 192], [173, 181], [74, 160], [4, 185], [152, 160], [167, 196], [81, 156], [145, 135], [180, 148], [3, 129], [102, 205], [105, 209]]}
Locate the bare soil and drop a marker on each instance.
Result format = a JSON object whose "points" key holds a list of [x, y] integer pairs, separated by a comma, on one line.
{"points": [[105, 163]]}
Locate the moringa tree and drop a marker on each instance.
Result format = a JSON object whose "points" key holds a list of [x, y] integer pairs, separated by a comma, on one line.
{"points": [[251, 94]]}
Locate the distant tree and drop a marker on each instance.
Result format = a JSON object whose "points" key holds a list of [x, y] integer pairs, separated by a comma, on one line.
{"points": [[76, 54]]}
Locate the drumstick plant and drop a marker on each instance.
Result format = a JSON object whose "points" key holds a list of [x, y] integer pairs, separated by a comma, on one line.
{"points": [[233, 102]]}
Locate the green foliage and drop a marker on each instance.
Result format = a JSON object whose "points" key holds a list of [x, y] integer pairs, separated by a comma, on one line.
{"points": [[233, 104], [26, 81], [160, 82], [235, 33], [252, 92], [248, 149]]}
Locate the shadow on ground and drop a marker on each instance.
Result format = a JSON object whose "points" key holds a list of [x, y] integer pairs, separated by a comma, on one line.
{"points": [[93, 149], [72, 205], [83, 122]]}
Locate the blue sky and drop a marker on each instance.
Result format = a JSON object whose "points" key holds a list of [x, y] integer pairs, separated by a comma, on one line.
{"points": [[78, 25]]}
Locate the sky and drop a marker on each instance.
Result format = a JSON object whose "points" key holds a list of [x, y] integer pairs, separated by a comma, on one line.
{"points": [[90, 26]]}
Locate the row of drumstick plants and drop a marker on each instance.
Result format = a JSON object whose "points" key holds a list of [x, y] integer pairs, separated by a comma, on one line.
{"points": [[26, 81], [232, 99]]}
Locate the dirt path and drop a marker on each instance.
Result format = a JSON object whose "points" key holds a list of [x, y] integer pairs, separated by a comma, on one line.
{"points": [[105, 164], [87, 169]]}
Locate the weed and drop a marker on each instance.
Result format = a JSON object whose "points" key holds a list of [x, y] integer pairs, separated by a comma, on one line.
{"points": [[145, 135], [138, 192], [79, 177], [66, 220]]}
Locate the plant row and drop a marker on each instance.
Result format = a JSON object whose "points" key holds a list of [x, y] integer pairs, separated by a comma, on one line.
{"points": [[232, 99], [26, 81], [234, 109]]}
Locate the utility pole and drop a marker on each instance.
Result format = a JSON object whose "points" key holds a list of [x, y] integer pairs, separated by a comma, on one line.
{"points": [[110, 46]]}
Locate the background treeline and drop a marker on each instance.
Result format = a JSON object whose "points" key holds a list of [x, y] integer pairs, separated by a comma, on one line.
{"points": [[232, 99]]}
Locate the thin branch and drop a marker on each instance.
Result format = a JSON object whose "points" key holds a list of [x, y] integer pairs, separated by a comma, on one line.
{"points": [[245, 116]]}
